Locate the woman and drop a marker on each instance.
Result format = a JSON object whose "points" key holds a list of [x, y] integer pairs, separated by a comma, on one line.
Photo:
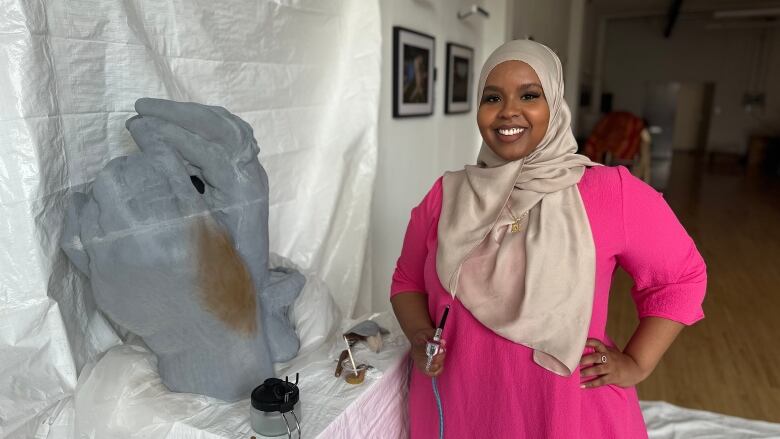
{"points": [[523, 247]]}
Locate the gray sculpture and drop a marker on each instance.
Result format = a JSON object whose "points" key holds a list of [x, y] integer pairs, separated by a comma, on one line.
{"points": [[174, 240]]}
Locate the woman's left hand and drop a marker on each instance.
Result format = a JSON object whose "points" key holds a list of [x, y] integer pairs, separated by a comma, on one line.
{"points": [[609, 366]]}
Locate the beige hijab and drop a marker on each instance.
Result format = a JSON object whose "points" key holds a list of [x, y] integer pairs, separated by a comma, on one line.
{"points": [[534, 287]]}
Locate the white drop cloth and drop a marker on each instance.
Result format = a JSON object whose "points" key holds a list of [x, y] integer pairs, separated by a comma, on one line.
{"points": [[667, 421], [122, 396]]}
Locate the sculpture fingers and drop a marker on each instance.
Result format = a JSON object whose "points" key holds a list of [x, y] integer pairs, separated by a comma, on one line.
{"points": [[198, 119], [217, 173], [141, 191], [70, 240], [275, 300]]}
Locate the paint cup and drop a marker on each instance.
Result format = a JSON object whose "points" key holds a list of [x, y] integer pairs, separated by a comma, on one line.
{"points": [[353, 375]]}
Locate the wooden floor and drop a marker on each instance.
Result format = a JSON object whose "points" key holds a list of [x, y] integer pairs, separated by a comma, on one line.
{"points": [[730, 361]]}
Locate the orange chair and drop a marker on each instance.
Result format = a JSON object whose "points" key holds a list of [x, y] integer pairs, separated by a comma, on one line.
{"points": [[618, 140]]}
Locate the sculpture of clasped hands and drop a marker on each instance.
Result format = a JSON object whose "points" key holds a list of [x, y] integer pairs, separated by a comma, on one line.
{"points": [[174, 240]]}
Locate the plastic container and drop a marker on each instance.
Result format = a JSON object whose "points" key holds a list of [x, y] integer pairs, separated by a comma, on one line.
{"points": [[276, 408], [348, 372]]}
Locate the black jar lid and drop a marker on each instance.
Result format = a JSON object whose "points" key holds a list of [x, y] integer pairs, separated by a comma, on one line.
{"points": [[275, 395]]}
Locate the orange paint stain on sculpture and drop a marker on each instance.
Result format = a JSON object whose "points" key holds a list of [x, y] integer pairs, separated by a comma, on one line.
{"points": [[225, 283]]}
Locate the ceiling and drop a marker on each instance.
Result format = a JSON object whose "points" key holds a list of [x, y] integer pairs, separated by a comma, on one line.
{"points": [[630, 7]]}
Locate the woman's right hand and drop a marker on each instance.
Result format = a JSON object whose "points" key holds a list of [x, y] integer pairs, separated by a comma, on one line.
{"points": [[411, 310], [419, 341]]}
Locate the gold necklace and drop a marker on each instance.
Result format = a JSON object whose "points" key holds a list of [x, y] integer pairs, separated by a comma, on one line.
{"points": [[516, 221]]}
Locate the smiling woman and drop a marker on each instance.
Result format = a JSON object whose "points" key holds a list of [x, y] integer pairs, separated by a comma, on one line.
{"points": [[513, 112], [521, 248]]}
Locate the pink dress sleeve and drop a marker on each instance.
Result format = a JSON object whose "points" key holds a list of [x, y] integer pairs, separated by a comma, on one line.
{"points": [[410, 268], [670, 277]]}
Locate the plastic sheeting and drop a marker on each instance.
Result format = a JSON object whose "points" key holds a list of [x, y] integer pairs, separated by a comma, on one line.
{"points": [[667, 421], [303, 73], [122, 396]]}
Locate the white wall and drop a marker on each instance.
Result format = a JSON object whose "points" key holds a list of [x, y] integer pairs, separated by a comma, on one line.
{"points": [[414, 152], [590, 69], [637, 53], [558, 24], [573, 67], [546, 21]]}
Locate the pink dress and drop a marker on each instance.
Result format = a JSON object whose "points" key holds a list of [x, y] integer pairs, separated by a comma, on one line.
{"points": [[490, 387]]}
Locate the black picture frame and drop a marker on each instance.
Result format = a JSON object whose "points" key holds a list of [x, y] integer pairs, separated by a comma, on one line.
{"points": [[458, 88], [414, 58]]}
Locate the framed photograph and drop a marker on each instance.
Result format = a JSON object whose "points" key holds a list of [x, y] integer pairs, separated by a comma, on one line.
{"points": [[413, 73], [458, 89]]}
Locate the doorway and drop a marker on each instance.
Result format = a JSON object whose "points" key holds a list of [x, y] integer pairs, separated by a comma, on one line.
{"points": [[678, 115], [692, 121]]}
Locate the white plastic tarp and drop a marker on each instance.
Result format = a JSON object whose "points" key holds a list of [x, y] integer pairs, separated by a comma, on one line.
{"points": [[122, 396], [303, 73], [667, 421]]}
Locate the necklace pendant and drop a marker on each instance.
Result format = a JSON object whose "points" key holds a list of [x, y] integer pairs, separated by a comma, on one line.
{"points": [[515, 227]]}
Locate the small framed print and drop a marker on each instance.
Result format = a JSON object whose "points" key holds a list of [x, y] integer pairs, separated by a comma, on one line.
{"points": [[458, 90], [413, 73]]}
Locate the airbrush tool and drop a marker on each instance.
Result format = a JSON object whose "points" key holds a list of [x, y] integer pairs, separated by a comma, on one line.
{"points": [[434, 346]]}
